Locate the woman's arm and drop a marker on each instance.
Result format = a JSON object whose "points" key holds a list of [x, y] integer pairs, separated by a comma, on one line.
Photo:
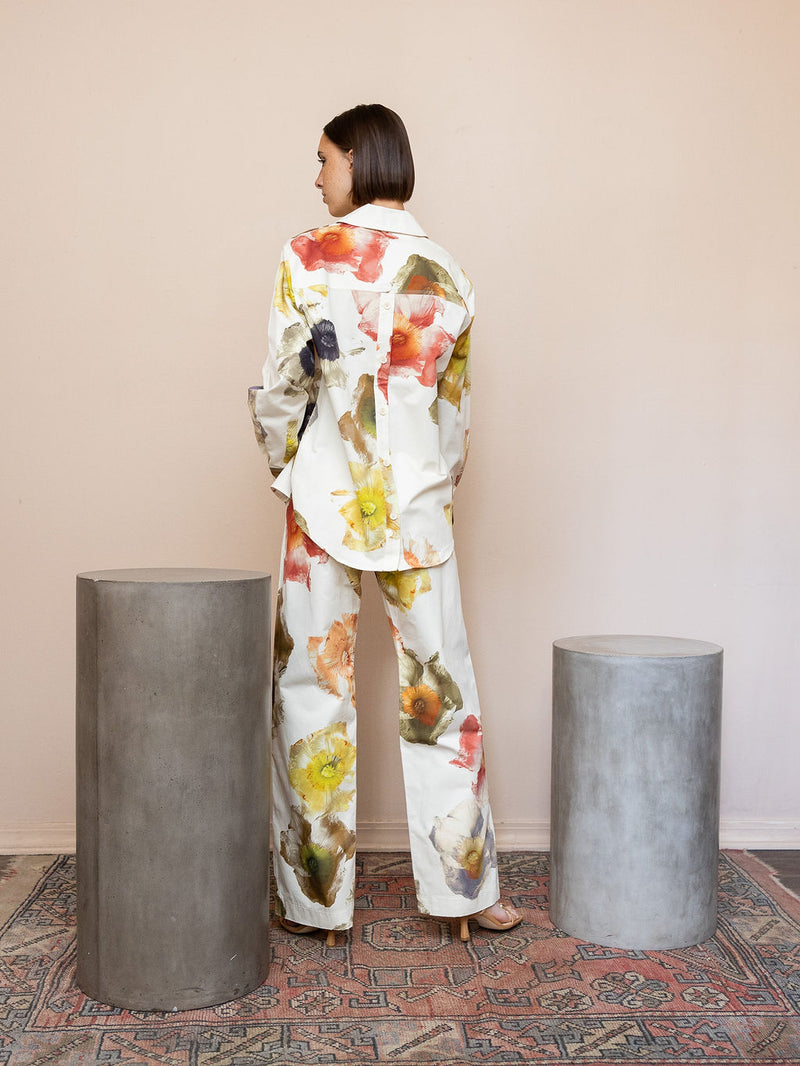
{"points": [[280, 409], [454, 399]]}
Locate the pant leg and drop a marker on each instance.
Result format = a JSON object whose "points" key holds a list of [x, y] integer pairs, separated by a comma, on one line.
{"points": [[314, 734], [441, 738]]}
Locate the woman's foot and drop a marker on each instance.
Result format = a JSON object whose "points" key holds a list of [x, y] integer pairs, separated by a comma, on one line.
{"points": [[499, 918], [301, 930]]}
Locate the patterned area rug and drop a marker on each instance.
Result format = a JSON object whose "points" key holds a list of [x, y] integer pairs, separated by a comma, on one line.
{"points": [[401, 989]]}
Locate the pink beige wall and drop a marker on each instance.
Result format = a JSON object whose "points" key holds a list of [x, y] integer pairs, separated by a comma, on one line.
{"points": [[621, 180]]}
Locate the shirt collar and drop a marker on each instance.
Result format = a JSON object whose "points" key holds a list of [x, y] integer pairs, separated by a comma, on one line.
{"points": [[388, 219]]}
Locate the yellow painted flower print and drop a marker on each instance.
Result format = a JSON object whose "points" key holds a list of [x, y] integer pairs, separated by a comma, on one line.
{"points": [[369, 512], [429, 697], [292, 440], [317, 851], [401, 587], [283, 299], [333, 656], [322, 769]]}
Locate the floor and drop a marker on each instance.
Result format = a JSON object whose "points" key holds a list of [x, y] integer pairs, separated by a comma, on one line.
{"points": [[786, 865]]}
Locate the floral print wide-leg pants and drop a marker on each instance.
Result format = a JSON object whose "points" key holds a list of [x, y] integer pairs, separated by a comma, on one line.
{"points": [[314, 738]]}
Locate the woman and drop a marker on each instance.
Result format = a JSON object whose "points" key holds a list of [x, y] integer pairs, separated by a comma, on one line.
{"points": [[363, 416]]}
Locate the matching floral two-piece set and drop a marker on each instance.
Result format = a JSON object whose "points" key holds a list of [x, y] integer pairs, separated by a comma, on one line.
{"points": [[364, 418]]}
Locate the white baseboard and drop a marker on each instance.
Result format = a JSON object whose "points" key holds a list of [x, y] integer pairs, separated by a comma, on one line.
{"points": [[39, 838], [511, 836], [58, 838], [736, 834]]}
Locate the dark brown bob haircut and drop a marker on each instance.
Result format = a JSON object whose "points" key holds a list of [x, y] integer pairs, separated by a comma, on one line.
{"points": [[383, 167]]}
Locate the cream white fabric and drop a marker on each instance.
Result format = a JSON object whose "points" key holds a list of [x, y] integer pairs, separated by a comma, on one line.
{"points": [[314, 738], [364, 408]]}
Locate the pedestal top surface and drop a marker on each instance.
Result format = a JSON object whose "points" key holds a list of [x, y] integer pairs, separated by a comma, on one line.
{"points": [[173, 575], [641, 646]]}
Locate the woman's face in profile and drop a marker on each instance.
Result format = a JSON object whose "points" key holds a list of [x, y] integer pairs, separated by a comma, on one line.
{"points": [[335, 179]]}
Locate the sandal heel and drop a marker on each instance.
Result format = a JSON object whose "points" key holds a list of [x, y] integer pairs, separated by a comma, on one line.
{"points": [[463, 930], [330, 939]]}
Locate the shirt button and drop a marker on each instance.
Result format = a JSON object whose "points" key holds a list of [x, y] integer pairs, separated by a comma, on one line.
{"points": [[387, 305]]}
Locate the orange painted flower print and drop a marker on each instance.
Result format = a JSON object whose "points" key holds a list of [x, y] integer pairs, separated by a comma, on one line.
{"points": [[333, 655], [421, 554], [343, 249], [422, 703]]}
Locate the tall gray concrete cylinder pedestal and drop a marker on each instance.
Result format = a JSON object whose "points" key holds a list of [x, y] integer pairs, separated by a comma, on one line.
{"points": [[173, 801], [635, 790]]}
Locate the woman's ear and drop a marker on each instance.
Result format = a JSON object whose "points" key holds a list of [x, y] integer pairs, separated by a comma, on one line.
{"points": [[350, 158]]}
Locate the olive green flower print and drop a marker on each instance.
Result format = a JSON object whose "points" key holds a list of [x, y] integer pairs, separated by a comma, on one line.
{"points": [[358, 425], [282, 649], [317, 851], [429, 698], [455, 381], [425, 276]]}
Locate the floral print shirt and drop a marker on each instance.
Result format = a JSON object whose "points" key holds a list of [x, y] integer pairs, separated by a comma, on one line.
{"points": [[364, 409]]}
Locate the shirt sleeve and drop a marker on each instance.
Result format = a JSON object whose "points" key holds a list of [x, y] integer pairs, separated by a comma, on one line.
{"points": [[454, 388], [282, 406]]}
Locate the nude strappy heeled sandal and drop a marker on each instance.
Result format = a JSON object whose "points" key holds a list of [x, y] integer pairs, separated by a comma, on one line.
{"points": [[485, 921], [301, 930]]}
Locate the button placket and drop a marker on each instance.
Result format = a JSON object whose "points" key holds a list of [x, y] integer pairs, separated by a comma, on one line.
{"points": [[385, 327]]}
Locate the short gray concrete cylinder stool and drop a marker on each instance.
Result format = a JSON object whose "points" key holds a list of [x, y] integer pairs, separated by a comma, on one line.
{"points": [[635, 790], [173, 803]]}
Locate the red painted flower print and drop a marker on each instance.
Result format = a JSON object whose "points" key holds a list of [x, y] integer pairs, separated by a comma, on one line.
{"points": [[470, 753], [417, 339], [343, 248], [368, 307], [300, 550], [417, 342], [470, 750]]}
